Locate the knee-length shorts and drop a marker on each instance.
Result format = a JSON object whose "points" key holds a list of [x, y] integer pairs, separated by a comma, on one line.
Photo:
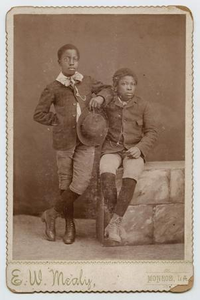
{"points": [[132, 167], [75, 168]]}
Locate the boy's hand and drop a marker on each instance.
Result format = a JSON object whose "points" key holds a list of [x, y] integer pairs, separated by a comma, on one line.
{"points": [[96, 102], [133, 152]]}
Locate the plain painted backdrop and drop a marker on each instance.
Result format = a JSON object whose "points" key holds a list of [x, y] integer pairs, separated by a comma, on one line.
{"points": [[152, 45]]}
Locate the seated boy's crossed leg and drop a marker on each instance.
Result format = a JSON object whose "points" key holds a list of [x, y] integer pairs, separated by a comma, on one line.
{"points": [[75, 171], [132, 169]]}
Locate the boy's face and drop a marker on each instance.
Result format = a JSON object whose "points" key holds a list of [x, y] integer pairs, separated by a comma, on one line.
{"points": [[69, 62], [126, 88]]}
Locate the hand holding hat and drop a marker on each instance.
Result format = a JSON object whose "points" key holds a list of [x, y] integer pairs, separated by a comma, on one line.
{"points": [[96, 102], [92, 128]]}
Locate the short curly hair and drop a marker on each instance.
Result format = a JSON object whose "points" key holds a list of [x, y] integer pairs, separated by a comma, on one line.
{"points": [[67, 47], [121, 73]]}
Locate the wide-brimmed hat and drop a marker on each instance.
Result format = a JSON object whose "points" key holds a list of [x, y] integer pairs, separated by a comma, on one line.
{"points": [[92, 128]]}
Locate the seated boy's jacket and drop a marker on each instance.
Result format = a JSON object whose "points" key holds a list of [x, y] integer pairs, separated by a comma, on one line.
{"points": [[64, 101], [130, 125]]}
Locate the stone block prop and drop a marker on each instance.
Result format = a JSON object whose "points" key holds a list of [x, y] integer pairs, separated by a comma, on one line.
{"points": [[169, 223], [177, 186], [137, 225], [156, 211]]}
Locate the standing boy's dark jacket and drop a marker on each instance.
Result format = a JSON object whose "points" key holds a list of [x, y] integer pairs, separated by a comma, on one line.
{"points": [[64, 101], [130, 125]]}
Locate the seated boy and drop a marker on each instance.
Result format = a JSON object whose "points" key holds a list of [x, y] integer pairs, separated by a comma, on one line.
{"points": [[70, 93], [131, 135]]}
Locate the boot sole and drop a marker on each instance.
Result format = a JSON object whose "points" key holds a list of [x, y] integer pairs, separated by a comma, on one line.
{"points": [[68, 243], [107, 237], [111, 243]]}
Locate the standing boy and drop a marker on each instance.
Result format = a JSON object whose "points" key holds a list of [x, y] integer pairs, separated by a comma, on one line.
{"points": [[131, 135], [70, 93]]}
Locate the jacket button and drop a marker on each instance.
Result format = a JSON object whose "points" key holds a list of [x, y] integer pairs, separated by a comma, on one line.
{"points": [[74, 127], [74, 115], [74, 103]]}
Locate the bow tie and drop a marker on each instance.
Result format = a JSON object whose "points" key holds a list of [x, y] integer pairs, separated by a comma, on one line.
{"points": [[70, 81]]}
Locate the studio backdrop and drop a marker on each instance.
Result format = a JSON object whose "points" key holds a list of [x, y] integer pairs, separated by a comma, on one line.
{"points": [[152, 45]]}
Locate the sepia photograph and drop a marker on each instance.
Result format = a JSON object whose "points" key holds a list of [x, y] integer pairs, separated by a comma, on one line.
{"points": [[99, 123]]}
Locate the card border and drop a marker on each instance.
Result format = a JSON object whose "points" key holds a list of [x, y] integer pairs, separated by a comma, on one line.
{"points": [[189, 126]]}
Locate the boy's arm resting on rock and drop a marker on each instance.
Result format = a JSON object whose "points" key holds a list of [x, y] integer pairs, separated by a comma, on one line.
{"points": [[42, 112], [150, 131], [103, 90]]}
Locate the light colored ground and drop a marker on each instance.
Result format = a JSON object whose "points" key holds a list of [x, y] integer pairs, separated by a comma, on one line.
{"points": [[30, 244]]}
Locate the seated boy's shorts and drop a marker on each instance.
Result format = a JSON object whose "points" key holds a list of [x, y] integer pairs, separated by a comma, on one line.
{"points": [[132, 167]]}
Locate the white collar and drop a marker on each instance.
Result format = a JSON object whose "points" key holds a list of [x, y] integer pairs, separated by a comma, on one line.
{"points": [[64, 79], [123, 102]]}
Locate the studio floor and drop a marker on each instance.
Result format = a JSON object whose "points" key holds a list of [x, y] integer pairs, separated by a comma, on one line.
{"points": [[29, 243]]}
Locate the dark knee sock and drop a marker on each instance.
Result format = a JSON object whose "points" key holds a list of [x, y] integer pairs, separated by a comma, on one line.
{"points": [[125, 196], [109, 190], [65, 204], [69, 209]]}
